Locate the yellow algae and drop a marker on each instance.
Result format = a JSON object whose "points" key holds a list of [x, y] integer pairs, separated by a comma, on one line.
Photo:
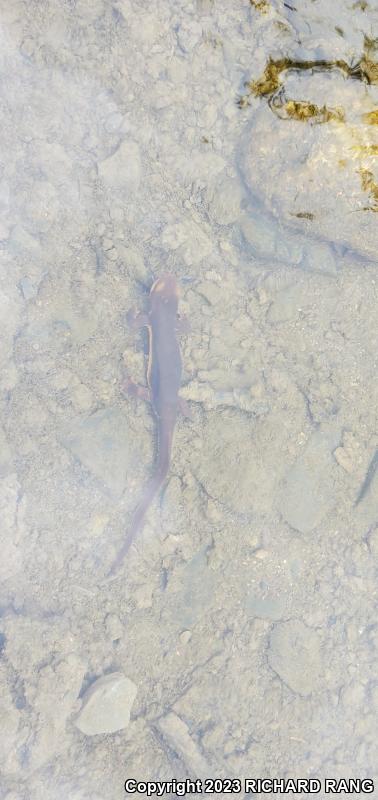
{"points": [[365, 70], [369, 185], [260, 5], [303, 112], [367, 149], [371, 117]]}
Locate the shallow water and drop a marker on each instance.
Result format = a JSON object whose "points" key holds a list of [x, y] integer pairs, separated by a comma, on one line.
{"points": [[234, 145]]}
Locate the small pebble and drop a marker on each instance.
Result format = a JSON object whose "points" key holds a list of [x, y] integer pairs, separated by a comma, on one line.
{"points": [[28, 290], [185, 637], [113, 627], [343, 458]]}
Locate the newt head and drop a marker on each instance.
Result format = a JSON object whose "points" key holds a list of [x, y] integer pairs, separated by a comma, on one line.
{"points": [[165, 291]]}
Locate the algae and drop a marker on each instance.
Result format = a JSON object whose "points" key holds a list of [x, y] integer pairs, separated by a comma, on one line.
{"points": [[260, 5], [369, 185], [371, 117], [271, 82], [305, 215], [303, 111]]}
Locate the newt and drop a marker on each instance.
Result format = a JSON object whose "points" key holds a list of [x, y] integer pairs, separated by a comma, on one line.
{"points": [[163, 383]]}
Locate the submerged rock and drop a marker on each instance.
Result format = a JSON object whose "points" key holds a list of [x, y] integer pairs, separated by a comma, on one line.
{"points": [[309, 156], [308, 491], [103, 444], [107, 705], [294, 654], [122, 170]]}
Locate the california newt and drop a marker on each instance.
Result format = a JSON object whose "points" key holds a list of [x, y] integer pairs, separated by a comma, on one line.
{"points": [[164, 380]]}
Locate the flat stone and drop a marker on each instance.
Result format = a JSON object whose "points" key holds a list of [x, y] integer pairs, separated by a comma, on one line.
{"points": [[10, 719], [266, 607], [308, 492], [295, 655], [238, 440], [6, 461], [177, 735], [211, 291], [107, 705], [185, 636], [101, 442], [224, 201], [122, 170], [42, 206], [189, 239], [28, 288], [11, 559]]}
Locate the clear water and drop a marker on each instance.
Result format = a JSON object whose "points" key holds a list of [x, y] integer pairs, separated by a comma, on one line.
{"points": [[234, 145]]}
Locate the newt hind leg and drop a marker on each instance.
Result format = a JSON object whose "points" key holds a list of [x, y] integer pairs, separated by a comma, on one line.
{"points": [[136, 319]]}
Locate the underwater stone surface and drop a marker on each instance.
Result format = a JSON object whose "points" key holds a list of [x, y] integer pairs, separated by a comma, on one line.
{"points": [[125, 153], [107, 705]]}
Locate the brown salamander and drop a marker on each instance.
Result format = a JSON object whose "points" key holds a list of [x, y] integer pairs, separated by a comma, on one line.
{"points": [[164, 380]]}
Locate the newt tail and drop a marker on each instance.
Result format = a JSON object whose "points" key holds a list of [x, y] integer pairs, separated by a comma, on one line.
{"points": [[151, 490]]}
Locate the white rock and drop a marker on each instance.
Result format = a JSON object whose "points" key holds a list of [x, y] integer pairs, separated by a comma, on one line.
{"points": [[295, 655], [190, 239], [122, 169], [11, 560], [107, 705], [308, 492], [42, 206], [189, 35], [224, 201]]}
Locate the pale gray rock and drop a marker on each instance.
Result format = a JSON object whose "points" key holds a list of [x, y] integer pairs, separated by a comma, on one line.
{"points": [[285, 306], [10, 720], [266, 607], [318, 18], [259, 234], [295, 655], [229, 442], [133, 263], [256, 449], [107, 705], [11, 558], [319, 257], [28, 288], [10, 313], [101, 442], [177, 735], [211, 291], [5, 454], [122, 170], [41, 207], [308, 490], [54, 701], [188, 35], [268, 241], [191, 240], [113, 627], [224, 201]]}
